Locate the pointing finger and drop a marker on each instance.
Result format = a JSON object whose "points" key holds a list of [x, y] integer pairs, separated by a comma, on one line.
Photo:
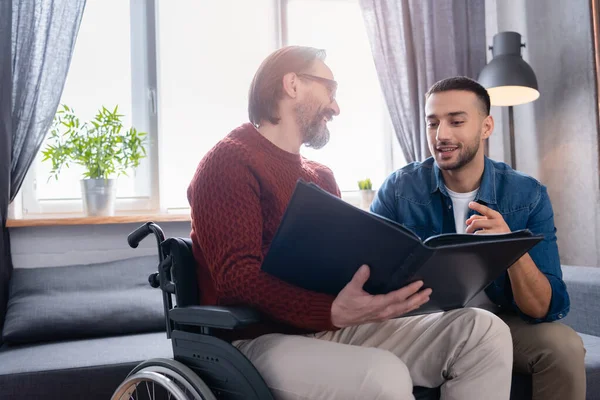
{"points": [[483, 210]]}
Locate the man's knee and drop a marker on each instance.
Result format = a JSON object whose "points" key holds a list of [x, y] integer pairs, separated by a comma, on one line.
{"points": [[485, 325], [385, 377], [561, 347], [489, 331]]}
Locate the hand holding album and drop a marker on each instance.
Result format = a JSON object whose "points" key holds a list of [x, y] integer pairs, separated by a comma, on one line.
{"points": [[354, 306]]}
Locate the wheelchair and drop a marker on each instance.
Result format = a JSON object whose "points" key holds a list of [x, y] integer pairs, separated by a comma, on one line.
{"points": [[203, 367]]}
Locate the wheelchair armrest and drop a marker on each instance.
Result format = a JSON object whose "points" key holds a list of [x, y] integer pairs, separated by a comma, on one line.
{"points": [[214, 316]]}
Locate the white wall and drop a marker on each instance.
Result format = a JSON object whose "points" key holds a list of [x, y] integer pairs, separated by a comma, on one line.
{"points": [[83, 244]]}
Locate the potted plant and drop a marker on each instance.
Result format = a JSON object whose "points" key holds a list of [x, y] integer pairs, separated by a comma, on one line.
{"points": [[366, 193], [102, 146]]}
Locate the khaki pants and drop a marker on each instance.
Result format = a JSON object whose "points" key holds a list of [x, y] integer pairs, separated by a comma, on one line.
{"points": [[467, 351], [553, 354]]}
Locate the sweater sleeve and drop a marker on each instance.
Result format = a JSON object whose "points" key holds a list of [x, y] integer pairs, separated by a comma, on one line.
{"points": [[227, 221]]}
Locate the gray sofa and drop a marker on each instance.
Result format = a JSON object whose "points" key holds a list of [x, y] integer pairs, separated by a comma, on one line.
{"points": [[75, 332], [583, 284]]}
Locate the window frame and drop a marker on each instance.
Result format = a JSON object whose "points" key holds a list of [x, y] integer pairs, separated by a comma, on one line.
{"points": [[145, 115]]}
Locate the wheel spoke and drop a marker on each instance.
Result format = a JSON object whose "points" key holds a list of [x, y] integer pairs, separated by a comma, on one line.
{"points": [[177, 381]]}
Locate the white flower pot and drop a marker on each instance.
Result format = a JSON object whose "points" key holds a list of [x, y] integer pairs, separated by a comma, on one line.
{"points": [[366, 198]]}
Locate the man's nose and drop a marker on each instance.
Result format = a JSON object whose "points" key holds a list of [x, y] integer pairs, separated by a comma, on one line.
{"points": [[443, 132], [335, 107]]}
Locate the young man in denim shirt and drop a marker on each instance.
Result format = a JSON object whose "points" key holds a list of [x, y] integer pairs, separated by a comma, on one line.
{"points": [[460, 190]]}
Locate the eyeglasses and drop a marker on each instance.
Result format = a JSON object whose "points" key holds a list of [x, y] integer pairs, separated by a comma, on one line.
{"points": [[329, 84]]}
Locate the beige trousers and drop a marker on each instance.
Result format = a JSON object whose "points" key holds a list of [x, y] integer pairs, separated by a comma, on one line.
{"points": [[467, 351], [553, 354]]}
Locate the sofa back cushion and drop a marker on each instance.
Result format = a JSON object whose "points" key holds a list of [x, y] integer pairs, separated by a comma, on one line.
{"points": [[583, 284], [5, 272], [83, 301]]}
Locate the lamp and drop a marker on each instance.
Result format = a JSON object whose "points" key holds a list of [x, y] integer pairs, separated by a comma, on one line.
{"points": [[509, 80]]}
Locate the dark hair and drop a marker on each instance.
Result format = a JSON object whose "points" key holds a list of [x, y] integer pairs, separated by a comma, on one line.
{"points": [[266, 88], [462, 83]]}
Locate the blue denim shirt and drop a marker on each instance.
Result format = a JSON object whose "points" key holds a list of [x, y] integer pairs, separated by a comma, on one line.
{"points": [[416, 197]]}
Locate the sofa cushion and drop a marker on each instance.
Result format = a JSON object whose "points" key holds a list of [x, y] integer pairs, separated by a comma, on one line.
{"points": [[582, 284], [592, 365], [83, 301], [81, 369]]}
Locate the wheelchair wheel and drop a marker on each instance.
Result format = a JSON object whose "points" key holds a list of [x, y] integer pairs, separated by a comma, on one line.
{"points": [[160, 378]]}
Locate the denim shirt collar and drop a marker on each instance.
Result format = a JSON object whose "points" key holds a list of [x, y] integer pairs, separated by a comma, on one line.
{"points": [[487, 189]]}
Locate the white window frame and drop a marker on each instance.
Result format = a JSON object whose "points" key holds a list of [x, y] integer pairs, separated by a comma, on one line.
{"points": [[144, 117], [144, 52]]}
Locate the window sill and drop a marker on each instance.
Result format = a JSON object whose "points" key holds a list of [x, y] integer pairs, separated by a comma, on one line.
{"points": [[78, 219], [124, 217]]}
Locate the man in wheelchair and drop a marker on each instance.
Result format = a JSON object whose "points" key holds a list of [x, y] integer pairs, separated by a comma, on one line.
{"points": [[310, 345]]}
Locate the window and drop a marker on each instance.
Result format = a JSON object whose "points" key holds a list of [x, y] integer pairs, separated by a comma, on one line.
{"points": [[100, 74], [360, 135], [181, 70], [208, 54]]}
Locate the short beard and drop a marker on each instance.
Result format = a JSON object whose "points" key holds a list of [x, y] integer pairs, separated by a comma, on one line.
{"points": [[467, 154], [314, 133]]}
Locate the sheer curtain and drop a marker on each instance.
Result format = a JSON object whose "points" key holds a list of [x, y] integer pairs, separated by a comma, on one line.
{"points": [[5, 147], [415, 43], [44, 33], [36, 42]]}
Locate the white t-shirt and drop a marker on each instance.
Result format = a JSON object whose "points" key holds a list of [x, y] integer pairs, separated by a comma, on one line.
{"points": [[460, 205]]}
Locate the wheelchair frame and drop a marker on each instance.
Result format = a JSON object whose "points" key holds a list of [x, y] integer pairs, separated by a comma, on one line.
{"points": [[219, 364]]}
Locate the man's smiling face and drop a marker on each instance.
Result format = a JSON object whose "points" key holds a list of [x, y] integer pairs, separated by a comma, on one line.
{"points": [[455, 124]]}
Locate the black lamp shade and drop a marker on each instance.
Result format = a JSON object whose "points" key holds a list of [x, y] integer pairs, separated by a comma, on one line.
{"points": [[508, 79]]}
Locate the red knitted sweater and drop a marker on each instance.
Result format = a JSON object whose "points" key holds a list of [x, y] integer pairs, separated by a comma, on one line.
{"points": [[238, 196]]}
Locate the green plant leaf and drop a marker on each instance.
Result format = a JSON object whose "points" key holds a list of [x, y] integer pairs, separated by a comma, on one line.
{"points": [[365, 184], [104, 150]]}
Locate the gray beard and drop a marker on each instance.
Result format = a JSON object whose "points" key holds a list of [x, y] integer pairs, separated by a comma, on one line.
{"points": [[314, 133]]}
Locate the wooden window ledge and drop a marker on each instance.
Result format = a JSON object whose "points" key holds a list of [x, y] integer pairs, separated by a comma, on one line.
{"points": [[64, 220]]}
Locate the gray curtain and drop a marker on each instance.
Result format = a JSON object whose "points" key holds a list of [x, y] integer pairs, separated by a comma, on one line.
{"points": [[36, 43], [415, 43], [5, 147], [44, 33]]}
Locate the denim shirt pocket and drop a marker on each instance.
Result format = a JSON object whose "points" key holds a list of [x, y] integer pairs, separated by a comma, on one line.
{"points": [[417, 215]]}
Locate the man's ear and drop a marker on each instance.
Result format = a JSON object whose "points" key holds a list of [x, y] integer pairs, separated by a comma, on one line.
{"points": [[290, 85], [488, 127]]}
